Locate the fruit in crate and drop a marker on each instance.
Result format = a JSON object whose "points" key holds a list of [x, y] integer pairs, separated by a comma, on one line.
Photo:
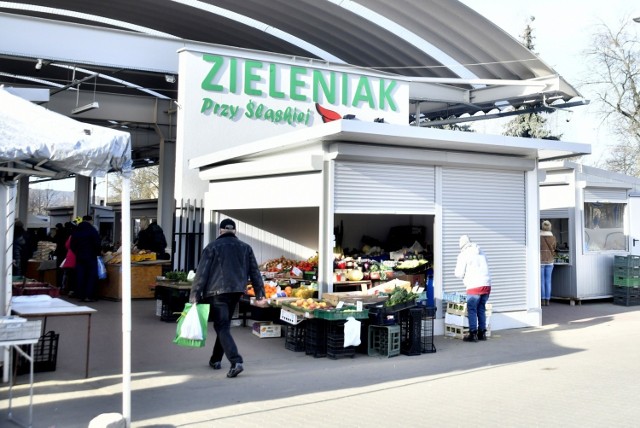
{"points": [[302, 292], [308, 304]]}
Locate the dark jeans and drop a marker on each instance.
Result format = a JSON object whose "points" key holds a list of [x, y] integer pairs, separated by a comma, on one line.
{"points": [[223, 306], [476, 311], [87, 278]]}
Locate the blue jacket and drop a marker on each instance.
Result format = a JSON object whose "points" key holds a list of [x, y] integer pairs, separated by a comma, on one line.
{"points": [[226, 266]]}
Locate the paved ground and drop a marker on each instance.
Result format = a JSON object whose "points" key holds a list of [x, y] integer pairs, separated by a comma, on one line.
{"points": [[579, 370]]}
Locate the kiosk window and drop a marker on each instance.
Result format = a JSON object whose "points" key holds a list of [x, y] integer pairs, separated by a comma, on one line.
{"points": [[604, 226]]}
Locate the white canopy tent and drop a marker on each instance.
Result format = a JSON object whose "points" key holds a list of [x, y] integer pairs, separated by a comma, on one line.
{"points": [[37, 142]]}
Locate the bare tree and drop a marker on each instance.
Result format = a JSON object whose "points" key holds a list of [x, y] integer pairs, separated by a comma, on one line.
{"points": [[145, 184], [40, 200], [615, 76]]}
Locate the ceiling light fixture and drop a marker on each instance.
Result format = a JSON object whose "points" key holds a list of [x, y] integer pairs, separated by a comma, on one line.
{"points": [[39, 64], [84, 108], [170, 78]]}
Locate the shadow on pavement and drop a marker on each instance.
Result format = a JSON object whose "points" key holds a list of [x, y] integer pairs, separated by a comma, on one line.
{"points": [[168, 380]]}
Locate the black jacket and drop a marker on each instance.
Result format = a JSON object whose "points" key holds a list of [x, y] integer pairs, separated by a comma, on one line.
{"points": [[21, 253], [85, 242], [152, 239], [226, 266]]}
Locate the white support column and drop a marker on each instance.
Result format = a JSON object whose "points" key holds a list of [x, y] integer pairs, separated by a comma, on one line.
{"points": [[22, 201], [7, 215], [166, 198], [82, 194]]}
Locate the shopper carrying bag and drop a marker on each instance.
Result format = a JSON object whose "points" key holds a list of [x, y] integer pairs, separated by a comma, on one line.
{"points": [[191, 331]]}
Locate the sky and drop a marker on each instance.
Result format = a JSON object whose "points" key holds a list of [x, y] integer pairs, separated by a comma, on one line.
{"points": [[563, 30]]}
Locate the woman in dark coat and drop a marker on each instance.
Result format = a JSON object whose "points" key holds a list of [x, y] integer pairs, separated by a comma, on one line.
{"points": [[21, 253]]}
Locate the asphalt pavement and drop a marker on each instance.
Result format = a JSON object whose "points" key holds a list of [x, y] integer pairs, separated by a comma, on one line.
{"points": [[580, 369]]}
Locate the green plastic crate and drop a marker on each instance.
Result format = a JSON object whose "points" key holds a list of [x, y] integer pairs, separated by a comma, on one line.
{"points": [[333, 314], [384, 341], [626, 261], [624, 281]]}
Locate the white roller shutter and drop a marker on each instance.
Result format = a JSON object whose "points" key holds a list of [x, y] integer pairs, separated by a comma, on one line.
{"points": [[383, 188], [599, 194], [489, 206]]}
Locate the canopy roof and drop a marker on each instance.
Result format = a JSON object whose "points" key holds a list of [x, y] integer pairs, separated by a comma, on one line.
{"points": [[461, 62], [36, 141]]}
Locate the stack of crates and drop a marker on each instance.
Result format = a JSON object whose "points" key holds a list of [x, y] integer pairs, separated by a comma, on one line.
{"points": [[626, 280], [456, 321], [315, 337], [335, 341], [428, 317], [295, 337], [411, 331]]}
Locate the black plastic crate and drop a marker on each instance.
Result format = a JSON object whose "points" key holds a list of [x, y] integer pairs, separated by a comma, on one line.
{"points": [[626, 301], [170, 309], [363, 348], [626, 292], [382, 317], [295, 337], [45, 355], [428, 317], [335, 341], [315, 338], [410, 322]]}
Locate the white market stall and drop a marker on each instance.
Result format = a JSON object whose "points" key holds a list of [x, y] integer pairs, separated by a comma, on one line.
{"points": [[462, 183], [591, 211], [37, 142]]}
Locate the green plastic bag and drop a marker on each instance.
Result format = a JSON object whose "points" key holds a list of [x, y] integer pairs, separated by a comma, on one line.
{"points": [[203, 316]]}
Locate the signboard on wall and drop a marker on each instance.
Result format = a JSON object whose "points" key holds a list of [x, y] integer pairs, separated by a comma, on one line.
{"points": [[228, 97], [262, 92]]}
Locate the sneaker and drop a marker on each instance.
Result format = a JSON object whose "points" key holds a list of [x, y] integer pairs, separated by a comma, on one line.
{"points": [[472, 336], [235, 370], [482, 334], [216, 365]]}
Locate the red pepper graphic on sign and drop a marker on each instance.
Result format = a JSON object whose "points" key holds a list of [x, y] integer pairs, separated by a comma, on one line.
{"points": [[327, 115]]}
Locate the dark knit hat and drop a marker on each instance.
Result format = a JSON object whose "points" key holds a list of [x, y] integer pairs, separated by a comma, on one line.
{"points": [[227, 224]]}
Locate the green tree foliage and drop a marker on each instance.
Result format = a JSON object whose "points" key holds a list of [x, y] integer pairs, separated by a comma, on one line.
{"points": [[529, 125]]}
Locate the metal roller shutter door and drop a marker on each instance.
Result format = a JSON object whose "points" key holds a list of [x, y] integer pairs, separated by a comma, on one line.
{"points": [[599, 194], [383, 189], [489, 206]]}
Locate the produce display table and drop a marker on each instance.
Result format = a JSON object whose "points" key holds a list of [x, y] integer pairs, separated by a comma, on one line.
{"points": [[143, 277], [42, 270]]}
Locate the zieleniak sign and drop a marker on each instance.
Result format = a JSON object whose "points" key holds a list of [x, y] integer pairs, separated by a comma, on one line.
{"points": [[259, 91]]}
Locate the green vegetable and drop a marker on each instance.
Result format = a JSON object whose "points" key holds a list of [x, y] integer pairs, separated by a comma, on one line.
{"points": [[400, 295], [176, 275]]}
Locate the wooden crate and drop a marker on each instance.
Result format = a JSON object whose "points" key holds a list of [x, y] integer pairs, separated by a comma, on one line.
{"points": [[143, 279]]}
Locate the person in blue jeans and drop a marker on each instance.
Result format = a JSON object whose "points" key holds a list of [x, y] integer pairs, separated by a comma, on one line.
{"points": [[547, 255], [226, 266], [473, 269]]}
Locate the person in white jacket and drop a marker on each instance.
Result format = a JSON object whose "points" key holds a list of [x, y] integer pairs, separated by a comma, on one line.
{"points": [[473, 268]]}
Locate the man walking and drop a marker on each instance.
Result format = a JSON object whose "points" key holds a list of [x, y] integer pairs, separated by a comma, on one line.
{"points": [[472, 267], [221, 278]]}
